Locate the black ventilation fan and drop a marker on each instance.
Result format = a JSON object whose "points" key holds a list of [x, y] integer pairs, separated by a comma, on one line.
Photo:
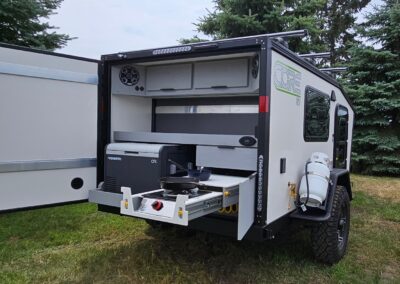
{"points": [[129, 76]]}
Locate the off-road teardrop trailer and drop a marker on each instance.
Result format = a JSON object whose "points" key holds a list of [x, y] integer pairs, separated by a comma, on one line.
{"points": [[218, 136], [248, 109]]}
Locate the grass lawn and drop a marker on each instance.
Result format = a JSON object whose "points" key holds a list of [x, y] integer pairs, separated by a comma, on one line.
{"points": [[76, 243]]}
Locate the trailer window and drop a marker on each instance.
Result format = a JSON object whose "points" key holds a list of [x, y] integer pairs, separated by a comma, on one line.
{"points": [[341, 137], [316, 115], [342, 116]]}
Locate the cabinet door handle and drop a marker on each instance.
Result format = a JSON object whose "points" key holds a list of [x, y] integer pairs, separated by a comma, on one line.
{"points": [[220, 87], [167, 89], [227, 147]]}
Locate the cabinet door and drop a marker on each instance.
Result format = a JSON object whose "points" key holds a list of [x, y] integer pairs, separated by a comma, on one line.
{"points": [[48, 126], [169, 77], [232, 73]]}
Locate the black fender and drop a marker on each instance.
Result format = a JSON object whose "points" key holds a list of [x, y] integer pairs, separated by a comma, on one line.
{"points": [[338, 177], [341, 177]]}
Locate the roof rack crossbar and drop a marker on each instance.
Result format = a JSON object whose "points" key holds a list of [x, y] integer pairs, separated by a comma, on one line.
{"points": [[334, 69], [296, 33], [316, 55]]}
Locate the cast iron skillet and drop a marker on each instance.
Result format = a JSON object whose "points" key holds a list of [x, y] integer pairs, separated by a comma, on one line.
{"points": [[179, 183]]}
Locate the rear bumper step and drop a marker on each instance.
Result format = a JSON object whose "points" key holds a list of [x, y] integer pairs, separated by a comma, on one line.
{"points": [[99, 196]]}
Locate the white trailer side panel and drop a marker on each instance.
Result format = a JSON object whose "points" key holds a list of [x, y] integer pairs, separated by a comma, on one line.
{"points": [[48, 126], [286, 133]]}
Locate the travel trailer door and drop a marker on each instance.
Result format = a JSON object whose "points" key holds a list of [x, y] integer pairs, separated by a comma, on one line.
{"points": [[48, 128]]}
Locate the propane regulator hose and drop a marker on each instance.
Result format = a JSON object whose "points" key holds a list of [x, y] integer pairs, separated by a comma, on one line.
{"points": [[300, 204]]}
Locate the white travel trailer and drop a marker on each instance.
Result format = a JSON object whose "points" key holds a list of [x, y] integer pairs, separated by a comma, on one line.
{"points": [[239, 137]]}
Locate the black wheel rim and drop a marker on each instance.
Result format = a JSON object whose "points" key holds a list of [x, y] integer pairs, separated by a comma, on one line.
{"points": [[342, 226]]}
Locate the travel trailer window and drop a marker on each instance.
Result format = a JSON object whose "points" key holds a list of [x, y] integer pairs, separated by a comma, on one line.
{"points": [[342, 121], [316, 116], [341, 137]]}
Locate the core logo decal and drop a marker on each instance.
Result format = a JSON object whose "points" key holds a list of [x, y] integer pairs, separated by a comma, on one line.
{"points": [[287, 79]]}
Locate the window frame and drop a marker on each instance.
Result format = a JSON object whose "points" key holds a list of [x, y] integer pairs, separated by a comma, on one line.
{"points": [[308, 139]]}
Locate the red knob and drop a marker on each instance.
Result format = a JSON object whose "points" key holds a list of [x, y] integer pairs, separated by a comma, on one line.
{"points": [[157, 205]]}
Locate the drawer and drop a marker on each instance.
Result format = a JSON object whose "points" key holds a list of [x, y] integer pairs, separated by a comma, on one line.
{"points": [[152, 205], [221, 74], [169, 77], [237, 158], [179, 211]]}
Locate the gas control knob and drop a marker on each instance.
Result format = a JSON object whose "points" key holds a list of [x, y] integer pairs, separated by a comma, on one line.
{"points": [[157, 205]]}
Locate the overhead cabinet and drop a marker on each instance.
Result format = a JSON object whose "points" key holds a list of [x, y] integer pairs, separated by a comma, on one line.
{"points": [[238, 75], [169, 77], [221, 74]]}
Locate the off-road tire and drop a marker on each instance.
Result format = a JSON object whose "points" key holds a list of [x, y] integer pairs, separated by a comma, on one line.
{"points": [[329, 239]]}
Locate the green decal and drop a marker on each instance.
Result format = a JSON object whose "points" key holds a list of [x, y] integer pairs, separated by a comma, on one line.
{"points": [[287, 79]]}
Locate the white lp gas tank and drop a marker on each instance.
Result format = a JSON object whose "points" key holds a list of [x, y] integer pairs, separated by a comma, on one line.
{"points": [[314, 184]]}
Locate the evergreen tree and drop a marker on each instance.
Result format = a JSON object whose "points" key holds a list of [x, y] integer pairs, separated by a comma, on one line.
{"points": [[235, 18], [329, 22], [338, 33], [194, 39], [21, 24], [373, 83]]}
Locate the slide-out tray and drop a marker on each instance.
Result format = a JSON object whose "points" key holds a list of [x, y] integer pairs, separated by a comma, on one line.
{"points": [[183, 208]]}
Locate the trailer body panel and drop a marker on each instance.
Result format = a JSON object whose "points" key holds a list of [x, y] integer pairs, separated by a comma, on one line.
{"points": [[290, 84], [48, 118]]}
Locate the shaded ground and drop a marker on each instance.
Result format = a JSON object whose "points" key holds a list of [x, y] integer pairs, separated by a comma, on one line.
{"points": [[78, 244]]}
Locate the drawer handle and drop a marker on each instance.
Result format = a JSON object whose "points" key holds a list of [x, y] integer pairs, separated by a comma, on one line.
{"points": [[220, 87], [167, 89], [226, 147]]}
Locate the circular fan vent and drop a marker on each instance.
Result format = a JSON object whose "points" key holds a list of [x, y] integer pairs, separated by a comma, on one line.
{"points": [[255, 63], [129, 76]]}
